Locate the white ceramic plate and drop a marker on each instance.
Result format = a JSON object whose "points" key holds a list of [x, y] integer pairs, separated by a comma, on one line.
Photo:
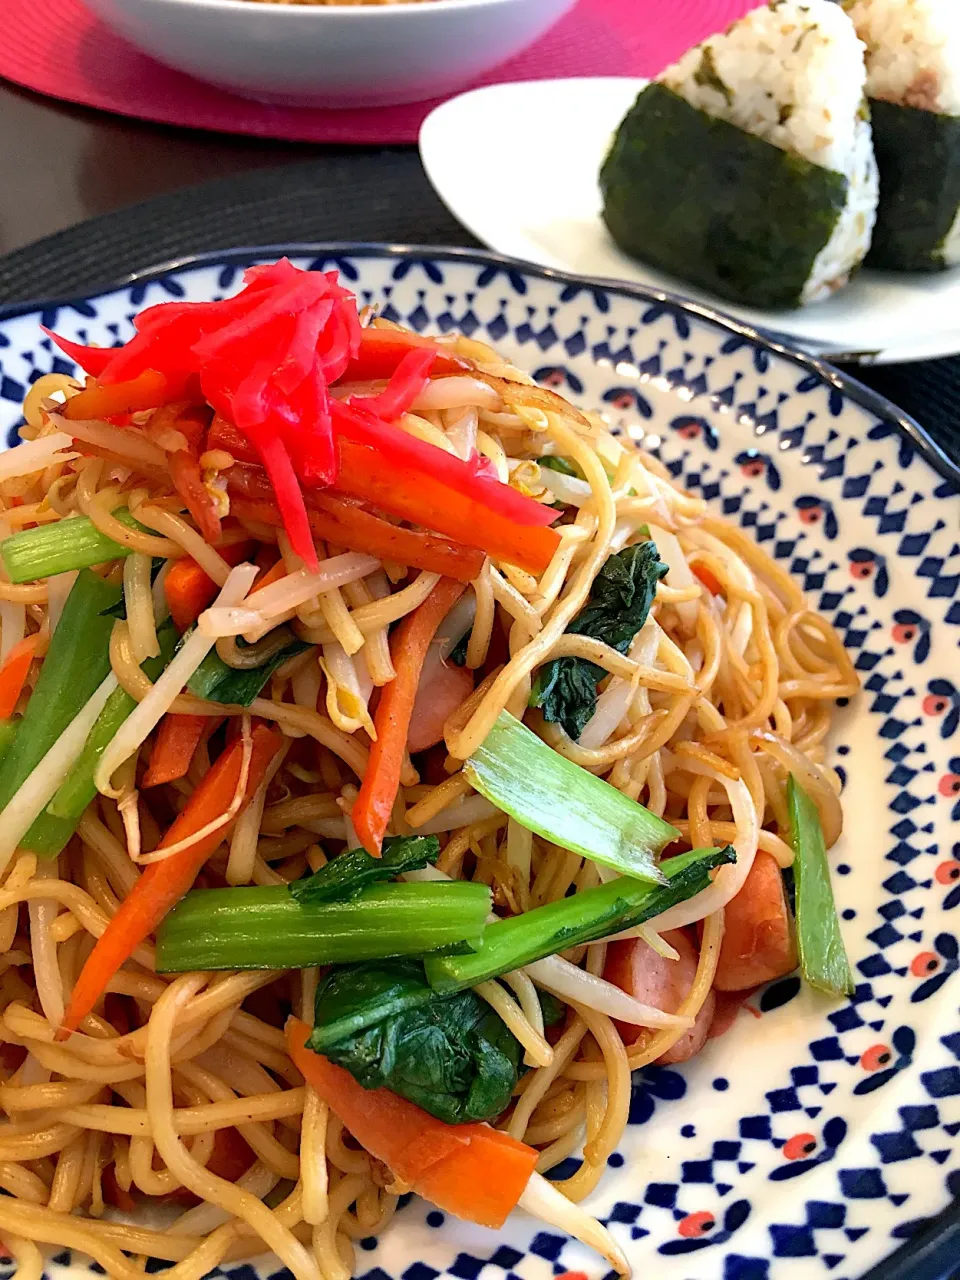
{"points": [[815, 1136], [518, 165]]}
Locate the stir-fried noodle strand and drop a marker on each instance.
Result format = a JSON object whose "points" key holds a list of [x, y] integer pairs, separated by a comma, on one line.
{"points": [[179, 1086]]}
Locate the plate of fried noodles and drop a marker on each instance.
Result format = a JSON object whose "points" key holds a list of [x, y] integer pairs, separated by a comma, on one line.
{"points": [[479, 771]]}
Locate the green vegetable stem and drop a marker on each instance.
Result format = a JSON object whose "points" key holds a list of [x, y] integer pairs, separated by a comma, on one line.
{"points": [[57, 823], [558, 800], [8, 731], [75, 665], [620, 599], [823, 957], [588, 916], [266, 928], [238, 686], [75, 543]]}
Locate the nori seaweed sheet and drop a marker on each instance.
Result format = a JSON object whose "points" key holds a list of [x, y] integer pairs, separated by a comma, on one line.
{"points": [[918, 155], [714, 205]]}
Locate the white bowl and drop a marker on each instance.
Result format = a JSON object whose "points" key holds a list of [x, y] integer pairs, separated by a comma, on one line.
{"points": [[358, 55]]}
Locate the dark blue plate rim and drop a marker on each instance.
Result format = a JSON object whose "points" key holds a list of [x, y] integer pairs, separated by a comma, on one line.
{"points": [[934, 1250], [871, 400]]}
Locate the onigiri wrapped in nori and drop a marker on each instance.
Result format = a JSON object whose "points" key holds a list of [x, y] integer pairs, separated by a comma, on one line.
{"points": [[913, 83], [747, 167]]}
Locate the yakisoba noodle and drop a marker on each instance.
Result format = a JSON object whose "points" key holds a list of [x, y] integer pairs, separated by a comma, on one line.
{"points": [[721, 694]]}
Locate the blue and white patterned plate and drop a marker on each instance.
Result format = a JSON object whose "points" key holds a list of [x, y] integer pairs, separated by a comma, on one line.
{"points": [[814, 1137]]}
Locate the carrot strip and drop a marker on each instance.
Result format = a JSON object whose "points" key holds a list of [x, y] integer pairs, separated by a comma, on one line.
{"points": [[188, 481], [484, 1181], [414, 494], [346, 524], [408, 649], [470, 1170], [13, 674], [188, 589], [163, 884], [178, 737], [429, 502], [276, 571], [393, 1130], [381, 351], [148, 391], [707, 578]]}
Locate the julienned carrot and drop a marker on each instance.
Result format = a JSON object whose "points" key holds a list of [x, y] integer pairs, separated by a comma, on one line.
{"points": [[346, 524], [381, 351], [163, 884], [412, 493], [425, 500], [484, 1182], [470, 1170], [707, 578], [188, 589], [408, 649], [147, 391], [393, 1130], [13, 674], [178, 737], [187, 479]]}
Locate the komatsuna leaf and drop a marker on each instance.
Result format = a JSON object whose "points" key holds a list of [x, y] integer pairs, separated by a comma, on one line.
{"points": [[566, 689], [452, 1056], [345, 876], [234, 686]]}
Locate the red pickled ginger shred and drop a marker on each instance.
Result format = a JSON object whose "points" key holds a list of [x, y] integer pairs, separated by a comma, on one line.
{"points": [[265, 360]]}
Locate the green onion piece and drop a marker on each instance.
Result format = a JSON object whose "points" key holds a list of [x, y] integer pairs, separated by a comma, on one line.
{"points": [[563, 465], [561, 802], [75, 543], [823, 957], [265, 928], [76, 663], [586, 917], [57, 823], [236, 686], [8, 731], [351, 872]]}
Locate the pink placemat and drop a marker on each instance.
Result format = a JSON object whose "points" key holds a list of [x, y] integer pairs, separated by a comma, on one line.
{"points": [[58, 48]]}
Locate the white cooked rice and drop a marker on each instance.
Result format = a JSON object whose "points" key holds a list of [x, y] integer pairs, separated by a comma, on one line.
{"points": [[848, 244], [913, 59], [913, 51], [792, 73]]}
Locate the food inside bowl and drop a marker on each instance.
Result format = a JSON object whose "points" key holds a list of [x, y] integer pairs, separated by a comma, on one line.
{"points": [[393, 762]]}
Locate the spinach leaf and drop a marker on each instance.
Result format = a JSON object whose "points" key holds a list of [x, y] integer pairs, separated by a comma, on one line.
{"points": [[452, 1056], [350, 872], [218, 682], [620, 599]]}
